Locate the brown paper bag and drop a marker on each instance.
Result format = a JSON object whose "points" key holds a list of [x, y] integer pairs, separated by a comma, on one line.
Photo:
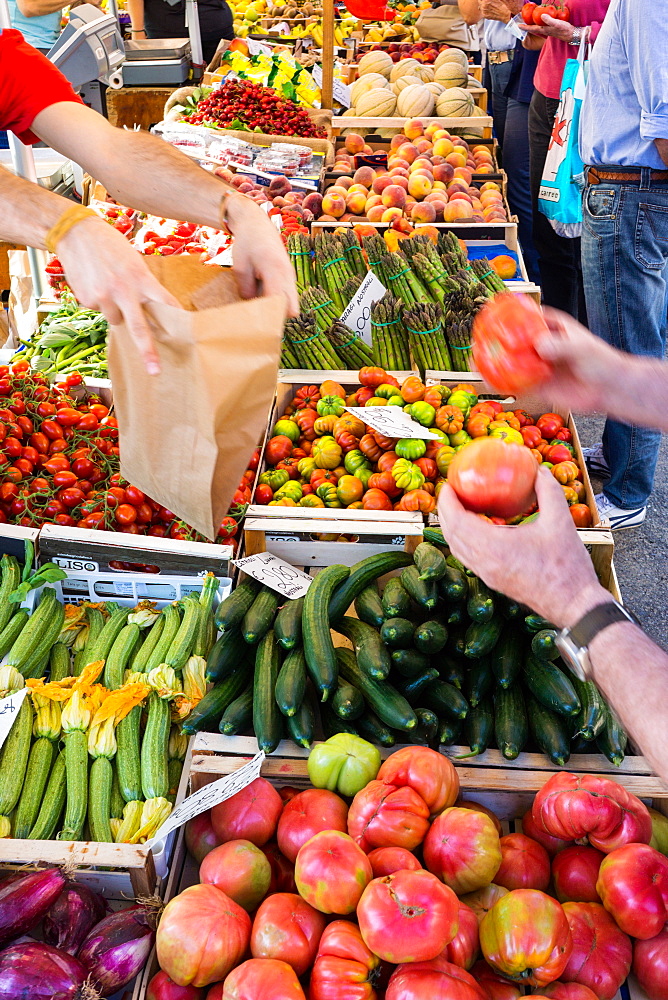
{"points": [[186, 434]]}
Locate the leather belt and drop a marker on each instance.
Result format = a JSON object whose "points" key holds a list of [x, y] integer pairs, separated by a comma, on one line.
{"points": [[626, 175], [501, 56]]}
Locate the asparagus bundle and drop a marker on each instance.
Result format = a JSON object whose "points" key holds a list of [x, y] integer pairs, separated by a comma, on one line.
{"points": [[425, 332], [299, 249], [317, 300], [419, 244], [485, 273], [401, 280], [448, 243], [310, 345], [335, 270], [351, 287], [432, 275], [375, 248], [353, 252], [460, 309], [289, 358], [389, 336], [349, 346]]}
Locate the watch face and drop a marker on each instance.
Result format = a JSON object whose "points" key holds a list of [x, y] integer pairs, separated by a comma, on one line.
{"points": [[574, 657]]}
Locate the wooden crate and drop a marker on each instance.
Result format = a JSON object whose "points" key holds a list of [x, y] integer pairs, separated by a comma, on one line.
{"points": [[379, 144], [340, 122], [495, 232]]}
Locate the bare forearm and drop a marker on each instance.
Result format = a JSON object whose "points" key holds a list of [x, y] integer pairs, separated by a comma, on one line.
{"points": [[136, 12], [36, 8], [470, 11], [662, 147], [637, 392], [28, 211]]}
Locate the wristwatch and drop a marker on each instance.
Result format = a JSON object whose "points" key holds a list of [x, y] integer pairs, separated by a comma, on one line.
{"points": [[573, 643], [577, 36]]}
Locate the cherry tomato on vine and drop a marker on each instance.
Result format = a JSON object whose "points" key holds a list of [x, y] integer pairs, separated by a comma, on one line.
{"points": [[99, 410], [24, 465], [52, 429], [126, 514], [73, 379], [58, 446], [158, 530], [31, 454], [228, 527], [83, 467], [88, 422], [66, 520], [63, 479], [12, 447], [53, 508], [13, 474], [26, 424], [130, 529], [85, 486], [45, 410], [134, 495], [144, 514], [67, 417], [115, 496], [59, 463], [16, 405], [71, 496], [8, 492], [40, 485], [40, 442]]}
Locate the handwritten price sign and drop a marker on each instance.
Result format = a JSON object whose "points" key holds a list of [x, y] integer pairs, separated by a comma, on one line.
{"points": [[392, 422], [357, 314], [9, 710], [276, 574]]}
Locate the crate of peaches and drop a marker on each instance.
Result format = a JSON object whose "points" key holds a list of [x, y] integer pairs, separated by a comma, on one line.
{"points": [[320, 454]]}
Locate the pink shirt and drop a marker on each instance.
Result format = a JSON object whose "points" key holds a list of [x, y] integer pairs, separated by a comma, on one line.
{"points": [[555, 53]]}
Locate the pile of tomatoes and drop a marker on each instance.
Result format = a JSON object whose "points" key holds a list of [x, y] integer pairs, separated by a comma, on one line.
{"points": [[532, 13], [59, 464]]}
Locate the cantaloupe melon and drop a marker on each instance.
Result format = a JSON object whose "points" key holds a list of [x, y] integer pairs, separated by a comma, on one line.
{"points": [[451, 74], [387, 133], [403, 82], [451, 55], [436, 88], [471, 131], [376, 61], [376, 103], [454, 103], [405, 67], [415, 102], [366, 82], [426, 73]]}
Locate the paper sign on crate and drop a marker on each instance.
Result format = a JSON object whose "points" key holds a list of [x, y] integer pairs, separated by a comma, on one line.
{"points": [[357, 314], [392, 422], [276, 574], [9, 711]]}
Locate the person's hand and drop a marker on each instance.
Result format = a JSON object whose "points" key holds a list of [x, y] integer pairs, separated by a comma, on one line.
{"points": [[542, 564], [495, 10], [261, 263], [552, 27], [106, 274]]}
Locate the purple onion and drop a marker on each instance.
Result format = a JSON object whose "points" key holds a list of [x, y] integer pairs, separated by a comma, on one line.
{"points": [[117, 949], [25, 900], [72, 916], [39, 972]]}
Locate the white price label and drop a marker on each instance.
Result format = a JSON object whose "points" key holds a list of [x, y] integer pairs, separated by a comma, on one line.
{"points": [[316, 73], [276, 574], [9, 710], [208, 797], [283, 28], [357, 314], [341, 93], [256, 48], [392, 422]]}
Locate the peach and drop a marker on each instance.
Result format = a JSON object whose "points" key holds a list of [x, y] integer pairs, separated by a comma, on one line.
{"points": [[437, 197], [367, 149], [373, 199], [442, 133], [489, 197], [422, 163], [457, 210], [423, 146], [407, 152], [478, 217], [380, 183], [443, 171], [457, 186], [461, 142], [490, 186], [358, 189], [375, 214], [443, 147], [223, 173], [356, 203], [354, 143], [424, 212], [396, 161], [485, 168], [484, 156], [400, 171], [419, 186], [394, 196], [342, 183], [460, 196], [414, 129], [439, 186], [292, 197], [333, 204], [327, 218], [401, 180], [390, 214], [313, 202], [246, 187], [431, 130], [464, 173], [365, 176], [398, 140], [456, 159]]}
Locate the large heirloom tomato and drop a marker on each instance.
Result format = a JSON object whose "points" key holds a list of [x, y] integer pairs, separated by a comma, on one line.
{"points": [[650, 965], [462, 848], [525, 864], [428, 773], [532, 829], [633, 886], [262, 979], [282, 871], [464, 947], [344, 967], [386, 816], [344, 763], [407, 917], [482, 900], [216, 932], [573, 807], [496, 986], [526, 937], [388, 860], [161, 987], [575, 872], [601, 956], [477, 807], [493, 477], [437, 980], [201, 836], [568, 991], [306, 814], [332, 872], [287, 928], [239, 869], [504, 338], [251, 814]]}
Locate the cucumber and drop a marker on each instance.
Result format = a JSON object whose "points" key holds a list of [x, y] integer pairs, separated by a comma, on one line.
{"points": [[238, 716], [430, 562], [301, 725], [422, 591], [479, 727], [510, 609], [231, 611], [482, 637], [612, 738], [318, 645], [427, 727], [348, 701], [535, 623], [456, 564], [372, 654], [291, 683], [456, 614], [507, 657], [332, 724], [390, 706], [408, 662], [549, 731], [260, 616], [449, 731], [445, 700], [396, 601], [368, 607], [362, 574], [451, 670], [480, 605], [456, 644], [510, 721], [544, 645], [550, 686], [207, 713], [225, 655], [453, 585], [288, 624], [591, 718], [267, 719], [479, 681], [430, 637], [372, 729], [435, 536], [412, 687], [397, 633]]}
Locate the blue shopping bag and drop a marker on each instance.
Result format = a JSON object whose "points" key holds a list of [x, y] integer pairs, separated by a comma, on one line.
{"points": [[560, 195]]}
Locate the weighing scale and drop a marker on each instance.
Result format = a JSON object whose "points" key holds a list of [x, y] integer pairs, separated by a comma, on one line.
{"points": [[157, 61]]}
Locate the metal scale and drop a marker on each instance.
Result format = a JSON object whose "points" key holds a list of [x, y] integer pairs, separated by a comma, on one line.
{"points": [[164, 62]]}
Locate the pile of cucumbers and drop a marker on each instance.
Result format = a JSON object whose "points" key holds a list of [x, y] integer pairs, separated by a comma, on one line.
{"points": [[436, 658]]}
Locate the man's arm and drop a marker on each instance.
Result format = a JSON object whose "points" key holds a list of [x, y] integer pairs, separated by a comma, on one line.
{"points": [[637, 29], [558, 581], [35, 8], [470, 10], [662, 147]]}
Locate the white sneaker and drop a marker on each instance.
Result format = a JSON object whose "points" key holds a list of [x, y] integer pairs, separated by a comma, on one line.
{"points": [[618, 517], [596, 461]]}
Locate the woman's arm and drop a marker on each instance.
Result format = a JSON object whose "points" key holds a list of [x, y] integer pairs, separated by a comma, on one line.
{"points": [[136, 12], [36, 8]]}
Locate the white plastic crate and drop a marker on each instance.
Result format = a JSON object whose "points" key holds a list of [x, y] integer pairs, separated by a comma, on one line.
{"points": [[127, 589]]}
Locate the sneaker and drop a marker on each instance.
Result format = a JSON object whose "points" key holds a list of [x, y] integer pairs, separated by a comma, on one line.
{"points": [[618, 517], [596, 461]]}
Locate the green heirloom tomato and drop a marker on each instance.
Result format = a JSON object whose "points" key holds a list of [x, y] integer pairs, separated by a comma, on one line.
{"points": [[274, 478], [424, 413], [386, 391], [330, 405], [364, 475], [291, 490], [288, 428], [354, 461], [327, 493], [411, 448], [396, 401], [306, 467], [553, 443], [507, 434], [406, 475], [344, 763], [464, 400], [461, 437], [444, 456]]}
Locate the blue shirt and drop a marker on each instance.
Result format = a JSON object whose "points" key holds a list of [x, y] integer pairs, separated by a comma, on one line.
{"points": [[41, 32], [626, 103], [497, 38]]}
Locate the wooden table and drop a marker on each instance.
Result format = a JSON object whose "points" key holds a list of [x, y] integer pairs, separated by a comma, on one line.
{"points": [[141, 106]]}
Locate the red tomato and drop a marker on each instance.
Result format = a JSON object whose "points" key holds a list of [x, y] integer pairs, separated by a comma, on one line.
{"points": [[492, 477], [504, 337], [13, 447], [601, 956], [465, 945], [24, 466], [227, 528], [581, 515], [57, 464], [575, 872], [650, 965], [531, 435], [39, 485], [65, 520], [331, 872], [525, 864], [8, 492], [200, 836], [57, 446], [216, 930], [66, 417], [344, 967], [538, 15], [526, 937], [388, 860], [306, 814], [496, 986], [278, 448], [438, 980], [462, 848], [375, 499], [45, 410], [568, 991], [99, 410], [282, 871], [71, 496], [40, 442], [252, 814], [288, 929], [551, 844], [383, 815], [126, 514], [549, 424], [134, 495], [53, 508], [161, 987], [558, 453], [262, 979], [633, 886], [83, 467], [26, 424], [527, 12], [428, 773], [263, 494], [13, 474], [239, 869]]}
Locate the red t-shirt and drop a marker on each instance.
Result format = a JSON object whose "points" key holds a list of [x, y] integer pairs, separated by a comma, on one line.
{"points": [[554, 53], [29, 83]]}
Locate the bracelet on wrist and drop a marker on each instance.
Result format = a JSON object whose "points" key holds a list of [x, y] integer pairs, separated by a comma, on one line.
{"points": [[70, 217]]}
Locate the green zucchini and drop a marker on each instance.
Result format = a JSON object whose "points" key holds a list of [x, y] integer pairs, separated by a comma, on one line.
{"points": [[348, 701], [390, 706], [422, 591], [36, 777], [206, 714], [100, 649], [544, 644], [301, 725], [119, 655], [370, 728], [612, 738], [456, 644], [288, 624], [510, 721], [372, 654], [291, 683], [318, 645], [12, 630], [449, 731], [238, 716], [397, 633], [231, 611], [551, 686], [591, 718], [452, 670], [172, 618], [456, 564], [14, 758], [549, 730], [181, 647], [225, 655], [480, 605], [128, 755], [11, 577], [117, 802], [100, 780], [143, 653], [412, 687], [59, 662], [408, 662], [395, 600], [154, 748], [507, 657], [362, 574], [260, 616], [427, 727], [39, 634], [267, 718], [453, 585], [456, 614], [482, 637], [479, 727], [510, 609], [333, 724], [205, 632], [430, 561], [430, 637], [368, 607], [76, 775], [53, 802], [536, 623], [479, 680], [445, 700]]}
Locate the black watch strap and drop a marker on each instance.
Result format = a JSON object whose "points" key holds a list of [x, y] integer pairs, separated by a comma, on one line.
{"points": [[596, 620]]}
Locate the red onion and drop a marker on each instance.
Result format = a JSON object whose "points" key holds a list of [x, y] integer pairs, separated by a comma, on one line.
{"points": [[72, 916], [39, 972], [25, 900], [117, 949]]}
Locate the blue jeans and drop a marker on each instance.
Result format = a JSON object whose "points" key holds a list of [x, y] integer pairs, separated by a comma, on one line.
{"points": [[625, 271], [516, 165], [500, 77]]}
